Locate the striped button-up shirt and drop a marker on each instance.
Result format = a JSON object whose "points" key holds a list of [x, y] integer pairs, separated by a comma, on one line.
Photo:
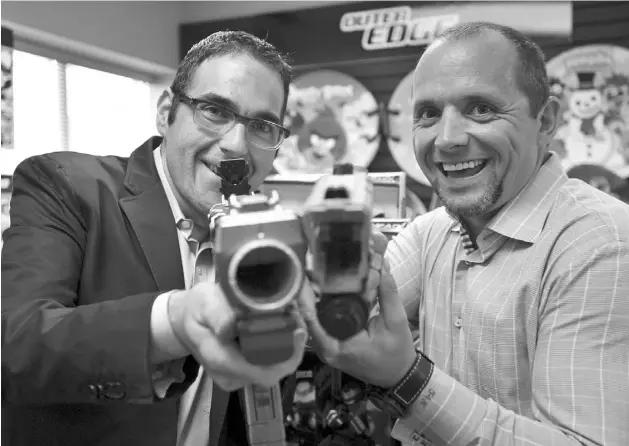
{"points": [[529, 327]]}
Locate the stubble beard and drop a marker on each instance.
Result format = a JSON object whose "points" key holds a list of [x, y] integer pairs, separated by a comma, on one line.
{"points": [[478, 207]]}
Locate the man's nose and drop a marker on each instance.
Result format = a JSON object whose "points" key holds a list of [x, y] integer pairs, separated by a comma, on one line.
{"points": [[234, 142], [452, 130]]}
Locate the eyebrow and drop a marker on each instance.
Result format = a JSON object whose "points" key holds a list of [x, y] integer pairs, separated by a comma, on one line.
{"points": [[481, 97], [225, 102]]}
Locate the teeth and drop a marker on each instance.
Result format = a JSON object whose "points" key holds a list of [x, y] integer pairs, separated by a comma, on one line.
{"points": [[460, 166]]}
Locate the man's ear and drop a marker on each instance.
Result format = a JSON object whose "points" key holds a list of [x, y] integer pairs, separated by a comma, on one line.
{"points": [[163, 108], [549, 120]]}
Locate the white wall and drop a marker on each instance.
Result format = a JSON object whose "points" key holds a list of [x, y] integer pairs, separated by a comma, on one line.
{"points": [[143, 30]]}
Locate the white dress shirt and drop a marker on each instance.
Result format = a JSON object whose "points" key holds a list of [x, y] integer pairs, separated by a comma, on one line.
{"points": [[194, 410]]}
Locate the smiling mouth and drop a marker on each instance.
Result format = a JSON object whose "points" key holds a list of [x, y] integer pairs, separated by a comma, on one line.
{"points": [[462, 170]]}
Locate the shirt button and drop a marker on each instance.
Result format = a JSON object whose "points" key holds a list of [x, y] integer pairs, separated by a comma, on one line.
{"points": [[199, 271], [185, 224], [458, 323]]}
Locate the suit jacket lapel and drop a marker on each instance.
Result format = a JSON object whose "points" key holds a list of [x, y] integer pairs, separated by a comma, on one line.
{"points": [[149, 213]]}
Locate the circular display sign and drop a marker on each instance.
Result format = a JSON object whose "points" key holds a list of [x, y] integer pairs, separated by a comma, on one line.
{"points": [[332, 119], [602, 178], [592, 83], [401, 130]]}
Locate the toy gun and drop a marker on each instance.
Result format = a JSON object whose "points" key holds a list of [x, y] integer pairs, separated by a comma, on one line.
{"points": [[337, 223], [259, 254]]}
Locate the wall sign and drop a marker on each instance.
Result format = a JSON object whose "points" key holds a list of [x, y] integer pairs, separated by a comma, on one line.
{"points": [[592, 83], [395, 27], [332, 119]]}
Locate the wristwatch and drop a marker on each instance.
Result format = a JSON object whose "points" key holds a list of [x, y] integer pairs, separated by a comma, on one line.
{"points": [[396, 400]]}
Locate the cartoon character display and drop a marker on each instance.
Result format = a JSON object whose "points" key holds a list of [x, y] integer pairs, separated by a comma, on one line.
{"points": [[603, 179], [586, 105], [616, 93], [586, 121], [333, 119], [592, 84], [322, 142]]}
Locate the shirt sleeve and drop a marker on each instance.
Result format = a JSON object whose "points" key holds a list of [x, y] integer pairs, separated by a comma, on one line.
{"points": [[580, 372], [167, 346]]}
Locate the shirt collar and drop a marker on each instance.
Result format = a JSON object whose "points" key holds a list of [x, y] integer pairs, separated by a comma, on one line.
{"points": [[524, 217]]}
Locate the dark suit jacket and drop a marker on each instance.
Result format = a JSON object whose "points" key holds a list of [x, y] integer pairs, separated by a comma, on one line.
{"points": [[92, 243]]}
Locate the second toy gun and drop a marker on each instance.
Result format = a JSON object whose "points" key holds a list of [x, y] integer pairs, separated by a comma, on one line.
{"points": [[337, 224]]}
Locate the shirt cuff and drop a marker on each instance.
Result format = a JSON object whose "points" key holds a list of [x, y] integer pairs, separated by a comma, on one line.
{"points": [[165, 374], [446, 412], [164, 343]]}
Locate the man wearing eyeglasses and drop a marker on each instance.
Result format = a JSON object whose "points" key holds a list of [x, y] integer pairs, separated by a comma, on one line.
{"points": [[108, 294]]}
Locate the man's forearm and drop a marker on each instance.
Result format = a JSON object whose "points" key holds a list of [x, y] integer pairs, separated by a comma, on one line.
{"points": [[91, 353], [449, 413]]}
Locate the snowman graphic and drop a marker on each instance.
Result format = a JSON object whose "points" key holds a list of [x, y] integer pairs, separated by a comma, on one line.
{"points": [[592, 85], [586, 137]]}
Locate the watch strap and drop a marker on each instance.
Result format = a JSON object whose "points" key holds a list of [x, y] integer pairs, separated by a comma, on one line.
{"points": [[414, 382], [396, 400]]}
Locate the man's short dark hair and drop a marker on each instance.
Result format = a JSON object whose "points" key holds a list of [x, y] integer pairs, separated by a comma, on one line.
{"points": [[228, 43], [531, 75]]}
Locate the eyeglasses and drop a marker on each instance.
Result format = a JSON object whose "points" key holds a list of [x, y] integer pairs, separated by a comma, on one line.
{"points": [[220, 119]]}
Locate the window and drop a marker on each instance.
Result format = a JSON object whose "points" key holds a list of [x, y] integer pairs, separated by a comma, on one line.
{"points": [[59, 106], [107, 114], [36, 106]]}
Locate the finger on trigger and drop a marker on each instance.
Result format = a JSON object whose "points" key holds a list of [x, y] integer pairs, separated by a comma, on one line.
{"points": [[371, 296], [378, 241], [373, 280], [375, 260], [307, 302], [391, 306]]}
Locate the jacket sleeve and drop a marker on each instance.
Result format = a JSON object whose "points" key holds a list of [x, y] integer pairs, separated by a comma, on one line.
{"points": [[53, 350]]}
